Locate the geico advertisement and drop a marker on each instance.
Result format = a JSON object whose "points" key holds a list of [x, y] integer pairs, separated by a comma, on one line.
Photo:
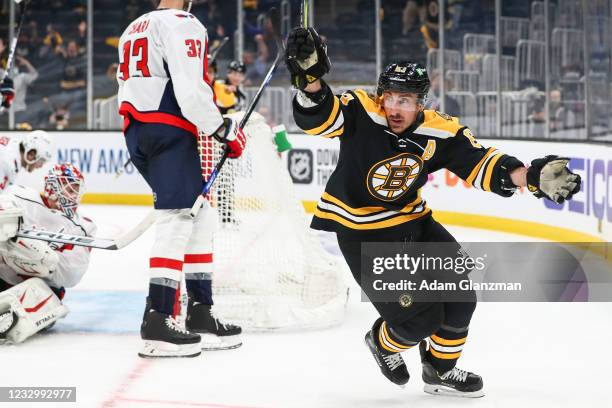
{"points": [[312, 160]]}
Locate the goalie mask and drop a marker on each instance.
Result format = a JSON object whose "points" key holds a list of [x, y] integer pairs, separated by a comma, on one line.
{"points": [[404, 77], [64, 184]]}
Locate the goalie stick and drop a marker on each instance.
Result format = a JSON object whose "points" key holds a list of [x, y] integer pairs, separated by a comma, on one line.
{"points": [[273, 15], [11, 57], [91, 242]]}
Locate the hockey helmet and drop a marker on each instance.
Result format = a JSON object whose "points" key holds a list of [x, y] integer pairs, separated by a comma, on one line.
{"points": [[404, 76], [237, 66], [65, 184], [41, 142]]}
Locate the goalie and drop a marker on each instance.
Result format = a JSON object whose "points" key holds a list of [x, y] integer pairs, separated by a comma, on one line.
{"points": [[33, 274]]}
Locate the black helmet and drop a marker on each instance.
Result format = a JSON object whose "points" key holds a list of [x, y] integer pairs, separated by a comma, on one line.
{"points": [[404, 76], [237, 66]]}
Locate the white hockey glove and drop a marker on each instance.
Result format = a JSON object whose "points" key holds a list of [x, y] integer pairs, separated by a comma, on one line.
{"points": [[30, 257], [549, 177], [10, 217]]}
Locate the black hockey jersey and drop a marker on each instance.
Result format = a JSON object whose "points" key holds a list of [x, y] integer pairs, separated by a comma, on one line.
{"points": [[379, 176]]}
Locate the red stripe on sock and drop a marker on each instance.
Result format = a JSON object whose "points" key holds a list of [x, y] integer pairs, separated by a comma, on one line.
{"points": [[198, 258], [166, 263]]}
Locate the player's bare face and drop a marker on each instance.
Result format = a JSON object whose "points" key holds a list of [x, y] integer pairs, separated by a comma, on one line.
{"points": [[236, 78], [401, 110], [29, 164]]}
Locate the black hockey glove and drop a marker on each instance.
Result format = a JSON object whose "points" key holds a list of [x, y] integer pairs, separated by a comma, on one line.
{"points": [[306, 57], [7, 89], [549, 177]]}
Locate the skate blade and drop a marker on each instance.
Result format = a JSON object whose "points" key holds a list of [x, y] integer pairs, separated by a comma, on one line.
{"points": [[442, 390], [162, 349], [210, 342]]}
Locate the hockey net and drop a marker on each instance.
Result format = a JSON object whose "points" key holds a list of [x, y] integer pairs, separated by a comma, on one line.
{"points": [[270, 270]]}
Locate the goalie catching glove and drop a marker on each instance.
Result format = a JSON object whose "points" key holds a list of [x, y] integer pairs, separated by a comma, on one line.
{"points": [[29, 257], [233, 136], [306, 57], [549, 177]]}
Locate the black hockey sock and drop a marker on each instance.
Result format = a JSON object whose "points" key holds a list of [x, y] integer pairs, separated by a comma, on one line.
{"points": [[165, 298], [391, 341], [445, 347], [200, 290]]}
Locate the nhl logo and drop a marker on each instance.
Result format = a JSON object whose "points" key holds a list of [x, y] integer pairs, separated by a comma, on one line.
{"points": [[405, 300], [300, 163]]}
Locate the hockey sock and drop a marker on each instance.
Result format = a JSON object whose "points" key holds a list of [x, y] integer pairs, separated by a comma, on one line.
{"points": [[198, 275], [445, 347], [163, 291], [390, 340]]}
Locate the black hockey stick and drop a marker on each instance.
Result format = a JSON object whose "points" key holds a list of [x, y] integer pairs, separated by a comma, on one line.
{"points": [[91, 242], [273, 15], [12, 51]]}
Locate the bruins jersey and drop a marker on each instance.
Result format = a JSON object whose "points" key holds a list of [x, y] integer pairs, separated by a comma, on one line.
{"points": [[227, 100], [379, 175]]}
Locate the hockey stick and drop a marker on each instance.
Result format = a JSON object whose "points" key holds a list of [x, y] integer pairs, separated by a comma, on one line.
{"points": [[91, 242], [11, 57], [273, 15], [213, 57]]}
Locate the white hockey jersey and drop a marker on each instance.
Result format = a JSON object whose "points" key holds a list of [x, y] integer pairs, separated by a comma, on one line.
{"points": [[10, 159], [163, 70], [74, 260]]}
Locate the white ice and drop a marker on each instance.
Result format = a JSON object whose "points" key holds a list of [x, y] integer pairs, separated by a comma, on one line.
{"points": [[535, 354]]}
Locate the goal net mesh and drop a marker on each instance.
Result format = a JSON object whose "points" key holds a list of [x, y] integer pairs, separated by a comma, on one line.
{"points": [[270, 270]]}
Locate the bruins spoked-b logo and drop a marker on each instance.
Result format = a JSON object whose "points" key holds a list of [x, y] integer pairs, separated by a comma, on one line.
{"points": [[390, 179]]}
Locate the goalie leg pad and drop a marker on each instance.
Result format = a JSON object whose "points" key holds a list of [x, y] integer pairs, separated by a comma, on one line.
{"points": [[35, 307]]}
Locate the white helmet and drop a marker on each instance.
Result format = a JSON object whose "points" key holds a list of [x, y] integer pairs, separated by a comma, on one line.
{"points": [[40, 141]]}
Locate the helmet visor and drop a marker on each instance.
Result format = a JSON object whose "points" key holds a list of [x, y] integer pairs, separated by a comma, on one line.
{"points": [[406, 102]]}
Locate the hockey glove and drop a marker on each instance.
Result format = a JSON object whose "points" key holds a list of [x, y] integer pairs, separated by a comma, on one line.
{"points": [[7, 89], [549, 177], [306, 57], [233, 136]]}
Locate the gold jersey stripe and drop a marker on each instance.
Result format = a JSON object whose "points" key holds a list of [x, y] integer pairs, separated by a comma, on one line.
{"points": [[385, 346], [486, 185], [392, 222], [354, 211], [476, 170], [446, 342], [335, 133], [444, 356], [369, 104], [330, 121]]}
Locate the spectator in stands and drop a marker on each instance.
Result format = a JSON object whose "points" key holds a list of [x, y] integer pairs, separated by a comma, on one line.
{"points": [[452, 107], [23, 75], [413, 14], [256, 62], [3, 53], [81, 37], [430, 27], [51, 43], [59, 119], [74, 73]]}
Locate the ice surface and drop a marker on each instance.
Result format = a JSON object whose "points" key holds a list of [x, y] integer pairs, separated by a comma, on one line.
{"points": [[544, 355]]}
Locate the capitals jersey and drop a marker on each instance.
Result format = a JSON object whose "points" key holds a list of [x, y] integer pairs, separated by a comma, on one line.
{"points": [[10, 161], [379, 176], [163, 70], [74, 260]]}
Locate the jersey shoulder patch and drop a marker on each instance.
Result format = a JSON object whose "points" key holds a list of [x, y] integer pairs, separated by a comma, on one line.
{"points": [[373, 109], [440, 125]]}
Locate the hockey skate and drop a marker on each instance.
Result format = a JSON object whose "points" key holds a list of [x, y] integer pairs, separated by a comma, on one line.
{"points": [[215, 334], [164, 337], [455, 382], [391, 364]]}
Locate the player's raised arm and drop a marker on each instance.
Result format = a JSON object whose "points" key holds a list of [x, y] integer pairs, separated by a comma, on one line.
{"points": [[316, 109], [186, 45]]}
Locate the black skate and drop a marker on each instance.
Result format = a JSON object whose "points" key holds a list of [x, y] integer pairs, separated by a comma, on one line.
{"points": [[215, 334], [455, 382], [391, 364], [164, 337], [8, 320]]}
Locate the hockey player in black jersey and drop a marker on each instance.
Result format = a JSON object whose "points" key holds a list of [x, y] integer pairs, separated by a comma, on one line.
{"points": [[388, 145]]}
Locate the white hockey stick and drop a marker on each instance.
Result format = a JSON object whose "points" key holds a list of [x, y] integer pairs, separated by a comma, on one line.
{"points": [[92, 242]]}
